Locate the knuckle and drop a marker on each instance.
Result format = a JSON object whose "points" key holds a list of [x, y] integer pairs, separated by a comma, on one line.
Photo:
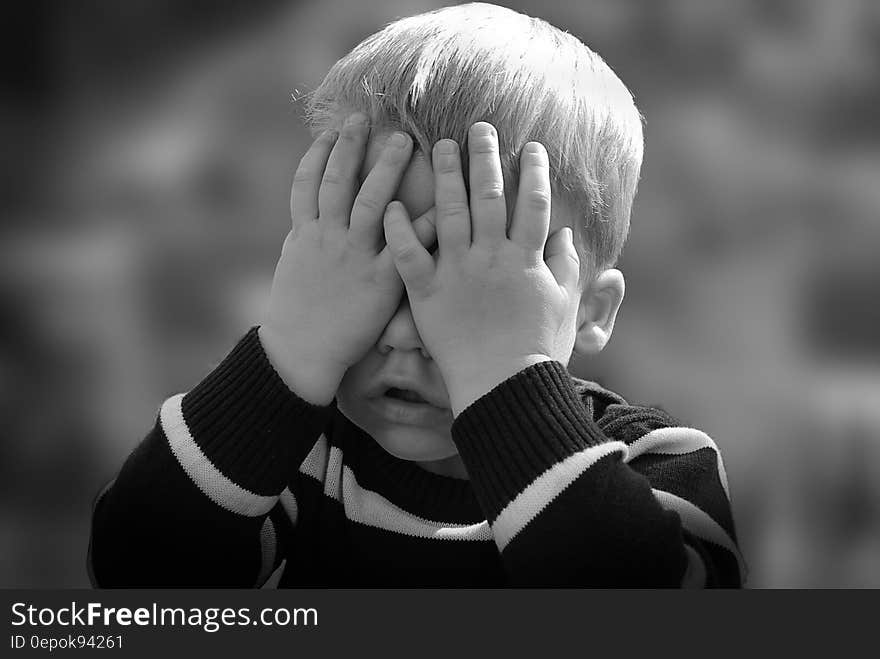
{"points": [[369, 204], [483, 146], [334, 176], [406, 253], [489, 192], [454, 208], [303, 175], [538, 199]]}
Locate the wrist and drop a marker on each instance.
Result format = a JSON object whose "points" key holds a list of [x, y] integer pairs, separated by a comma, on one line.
{"points": [[314, 380], [467, 382]]}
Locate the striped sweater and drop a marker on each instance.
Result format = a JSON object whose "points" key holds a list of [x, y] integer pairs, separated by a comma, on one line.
{"points": [[241, 483]]}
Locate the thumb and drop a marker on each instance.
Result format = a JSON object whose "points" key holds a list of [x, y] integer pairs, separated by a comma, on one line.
{"points": [[562, 258], [412, 260]]}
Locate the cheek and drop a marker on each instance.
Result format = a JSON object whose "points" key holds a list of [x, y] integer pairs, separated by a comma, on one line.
{"points": [[359, 373]]}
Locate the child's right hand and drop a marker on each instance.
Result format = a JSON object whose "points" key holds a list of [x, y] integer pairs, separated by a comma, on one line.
{"points": [[336, 286]]}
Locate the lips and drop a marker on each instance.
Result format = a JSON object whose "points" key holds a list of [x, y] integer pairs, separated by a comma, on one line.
{"points": [[406, 388], [407, 395], [397, 410], [409, 399]]}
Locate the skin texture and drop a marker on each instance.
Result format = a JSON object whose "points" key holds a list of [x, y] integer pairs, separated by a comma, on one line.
{"points": [[455, 317]]}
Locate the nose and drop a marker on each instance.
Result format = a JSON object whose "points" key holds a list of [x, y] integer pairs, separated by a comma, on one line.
{"points": [[400, 333]]}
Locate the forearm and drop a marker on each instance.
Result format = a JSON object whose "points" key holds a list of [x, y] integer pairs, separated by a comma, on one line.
{"points": [[565, 508], [188, 505]]}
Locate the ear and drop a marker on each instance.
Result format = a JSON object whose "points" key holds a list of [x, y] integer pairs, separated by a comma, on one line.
{"points": [[597, 312]]}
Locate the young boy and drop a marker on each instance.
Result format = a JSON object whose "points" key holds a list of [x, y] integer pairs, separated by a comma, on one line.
{"points": [[403, 416]]}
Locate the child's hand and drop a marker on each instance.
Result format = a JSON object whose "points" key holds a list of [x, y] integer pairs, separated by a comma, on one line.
{"points": [[491, 304], [335, 286]]}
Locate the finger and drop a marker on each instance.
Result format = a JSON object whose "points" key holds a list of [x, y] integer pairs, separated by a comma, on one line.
{"points": [[377, 190], [340, 178], [488, 208], [531, 218], [453, 214], [562, 258], [307, 179], [426, 229], [413, 262]]}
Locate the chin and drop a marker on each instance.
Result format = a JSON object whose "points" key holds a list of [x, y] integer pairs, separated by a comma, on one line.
{"points": [[414, 444]]}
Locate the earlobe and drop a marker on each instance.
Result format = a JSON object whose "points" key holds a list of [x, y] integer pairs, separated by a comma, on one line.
{"points": [[597, 312]]}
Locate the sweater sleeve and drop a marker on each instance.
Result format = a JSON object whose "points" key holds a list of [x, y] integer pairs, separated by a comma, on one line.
{"points": [[638, 503], [191, 505]]}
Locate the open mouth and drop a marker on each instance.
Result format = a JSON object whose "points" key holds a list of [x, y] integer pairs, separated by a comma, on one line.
{"points": [[399, 405], [407, 395]]}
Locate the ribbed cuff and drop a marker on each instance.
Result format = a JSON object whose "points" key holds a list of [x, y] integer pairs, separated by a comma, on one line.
{"points": [[524, 426], [247, 421]]}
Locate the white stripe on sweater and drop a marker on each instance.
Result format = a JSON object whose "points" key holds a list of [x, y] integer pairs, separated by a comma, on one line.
{"points": [[210, 480], [315, 463], [288, 502], [372, 509], [698, 522], [324, 464], [677, 441], [268, 548], [332, 486], [528, 504]]}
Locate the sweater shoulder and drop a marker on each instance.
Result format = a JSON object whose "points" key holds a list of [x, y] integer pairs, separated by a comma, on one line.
{"points": [[619, 418]]}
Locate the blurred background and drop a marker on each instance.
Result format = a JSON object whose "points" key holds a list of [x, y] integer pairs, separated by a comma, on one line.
{"points": [[149, 150]]}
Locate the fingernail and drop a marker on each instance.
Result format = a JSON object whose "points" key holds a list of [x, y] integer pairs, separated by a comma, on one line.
{"points": [[447, 147], [483, 129], [534, 147], [398, 139], [356, 119]]}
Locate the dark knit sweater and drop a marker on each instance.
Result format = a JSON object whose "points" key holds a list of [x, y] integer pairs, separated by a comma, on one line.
{"points": [[241, 483]]}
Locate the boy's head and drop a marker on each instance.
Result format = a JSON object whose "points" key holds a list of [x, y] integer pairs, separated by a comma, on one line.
{"points": [[433, 76]]}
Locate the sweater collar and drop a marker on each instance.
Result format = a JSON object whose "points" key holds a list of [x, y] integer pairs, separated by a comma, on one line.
{"points": [[403, 482]]}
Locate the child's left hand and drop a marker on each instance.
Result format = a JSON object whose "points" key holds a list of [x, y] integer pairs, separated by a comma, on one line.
{"points": [[492, 303]]}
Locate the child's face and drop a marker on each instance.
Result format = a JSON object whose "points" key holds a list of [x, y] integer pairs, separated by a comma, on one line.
{"points": [[418, 430]]}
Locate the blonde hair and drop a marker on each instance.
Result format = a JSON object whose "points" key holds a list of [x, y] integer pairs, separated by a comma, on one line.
{"points": [[436, 73]]}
